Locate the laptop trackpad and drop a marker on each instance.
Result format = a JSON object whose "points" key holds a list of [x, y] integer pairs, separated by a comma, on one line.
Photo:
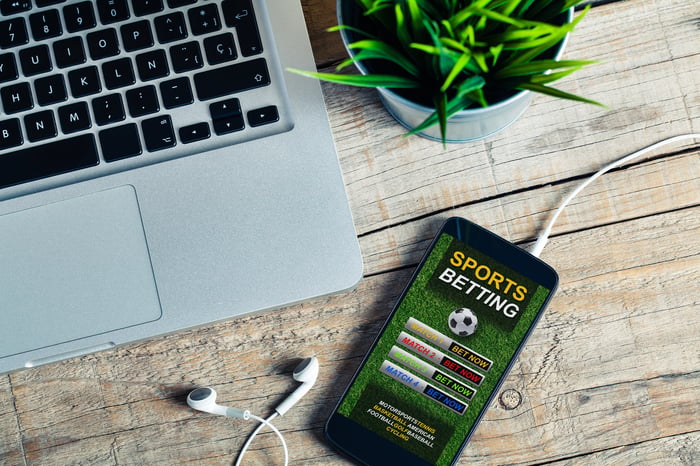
{"points": [[73, 269]]}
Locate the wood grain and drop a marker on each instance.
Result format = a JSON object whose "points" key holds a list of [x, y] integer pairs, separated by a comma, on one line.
{"points": [[611, 374]]}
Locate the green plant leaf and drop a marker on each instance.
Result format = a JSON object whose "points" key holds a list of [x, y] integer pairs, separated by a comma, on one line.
{"points": [[362, 80], [375, 49], [539, 67], [553, 92]]}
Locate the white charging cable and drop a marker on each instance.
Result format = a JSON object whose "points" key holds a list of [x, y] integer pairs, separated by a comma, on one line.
{"points": [[263, 422], [544, 236]]}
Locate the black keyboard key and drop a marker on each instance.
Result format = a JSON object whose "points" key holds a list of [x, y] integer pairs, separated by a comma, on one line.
{"points": [[54, 158], [137, 35], [74, 117], [142, 101], [112, 11], [40, 125], [45, 25], [158, 133], [225, 108], [79, 16], [50, 90], [176, 92], [228, 125], [152, 65], [10, 134], [120, 142], [43, 3], [8, 67], [263, 116], [103, 43], [16, 98], [13, 32], [231, 79], [186, 57], [146, 7], [84, 81], [118, 73], [35, 60], [220, 48], [11, 7], [69, 52], [108, 109], [204, 19], [179, 3], [240, 14], [193, 133], [170, 27]]}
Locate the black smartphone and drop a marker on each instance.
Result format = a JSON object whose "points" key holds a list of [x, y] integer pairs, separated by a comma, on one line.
{"points": [[444, 350]]}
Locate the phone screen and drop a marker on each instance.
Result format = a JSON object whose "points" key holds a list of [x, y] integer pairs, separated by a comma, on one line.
{"points": [[448, 344]]}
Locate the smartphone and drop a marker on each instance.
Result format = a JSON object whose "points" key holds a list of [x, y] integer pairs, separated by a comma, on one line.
{"points": [[444, 351]]}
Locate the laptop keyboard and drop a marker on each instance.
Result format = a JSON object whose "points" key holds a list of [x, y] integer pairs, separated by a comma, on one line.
{"points": [[91, 88]]}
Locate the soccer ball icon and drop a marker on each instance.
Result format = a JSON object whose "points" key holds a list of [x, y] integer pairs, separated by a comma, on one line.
{"points": [[463, 322]]}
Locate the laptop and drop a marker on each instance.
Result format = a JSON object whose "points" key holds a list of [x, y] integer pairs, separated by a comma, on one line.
{"points": [[160, 170]]}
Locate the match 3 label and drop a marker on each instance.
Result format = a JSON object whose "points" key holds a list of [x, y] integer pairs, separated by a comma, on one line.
{"points": [[448, 344], [421, 386], [413, 363], [423, 349]]}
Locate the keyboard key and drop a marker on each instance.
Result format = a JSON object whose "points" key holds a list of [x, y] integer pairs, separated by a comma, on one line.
{"points": [[152, 65], [225, 109], [186, 57], [8, 67], [40, 125], [158, 133], [108, 109], [142, 101], [69, 52], [10, 134], [43, 3], [136, 36], [176, 92], [220, 49], [146, 7], [45, 25], [50, 90], [118, 73], [11, 7], [112, 11], [263, 116], [50, 159], [170, 27], [103, 43], [240, 14], [16, 98], [120, 142], [13, 32], [228, 125], [84, 81], [192, 133], [35, 60], [74, 117], [79, 16], [179, 3], [231, 79], [204, 19]]}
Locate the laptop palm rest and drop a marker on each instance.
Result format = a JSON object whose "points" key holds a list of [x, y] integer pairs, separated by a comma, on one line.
{"points": [[73, 269]]}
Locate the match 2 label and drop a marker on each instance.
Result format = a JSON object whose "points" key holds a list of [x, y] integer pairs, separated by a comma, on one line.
{"points": [[421, 386], [423, 349], [413, 363], [448, 344]]}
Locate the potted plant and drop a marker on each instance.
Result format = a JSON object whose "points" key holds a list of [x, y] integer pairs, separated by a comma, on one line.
{"points": [[456, 70]]}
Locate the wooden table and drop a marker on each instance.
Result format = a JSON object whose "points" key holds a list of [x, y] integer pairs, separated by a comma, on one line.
{"points": [[610, 376]]}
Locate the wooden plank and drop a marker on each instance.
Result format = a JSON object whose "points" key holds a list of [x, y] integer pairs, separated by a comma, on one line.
{"points": [[10, 444]]}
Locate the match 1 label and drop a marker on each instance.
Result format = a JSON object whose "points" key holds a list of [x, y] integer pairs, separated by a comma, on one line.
{"points": [[421, 386], [447, 343], [422, 349], [413, 363]]}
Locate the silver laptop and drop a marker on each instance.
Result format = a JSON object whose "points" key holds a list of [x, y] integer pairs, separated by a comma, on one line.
{"points": [[159, 170]]}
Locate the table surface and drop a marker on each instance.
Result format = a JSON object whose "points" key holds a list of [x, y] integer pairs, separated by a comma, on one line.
{"points": [[611, 375]]}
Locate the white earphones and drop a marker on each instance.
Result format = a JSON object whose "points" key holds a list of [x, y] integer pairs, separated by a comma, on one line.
{"points": [[204, 399]]}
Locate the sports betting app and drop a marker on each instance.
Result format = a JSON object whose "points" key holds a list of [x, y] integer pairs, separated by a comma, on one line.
{"points": [[445, 349]]}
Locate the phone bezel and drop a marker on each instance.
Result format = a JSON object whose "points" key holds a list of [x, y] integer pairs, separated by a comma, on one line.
{"points": [[370, 448]]}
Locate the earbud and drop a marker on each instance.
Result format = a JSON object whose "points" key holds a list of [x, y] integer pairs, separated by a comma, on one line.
{"points": [[306, 372], [204, 399]]}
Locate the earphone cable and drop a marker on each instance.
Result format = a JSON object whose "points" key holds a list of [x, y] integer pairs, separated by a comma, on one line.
{"points": [[544, 236], [263, 423]]}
